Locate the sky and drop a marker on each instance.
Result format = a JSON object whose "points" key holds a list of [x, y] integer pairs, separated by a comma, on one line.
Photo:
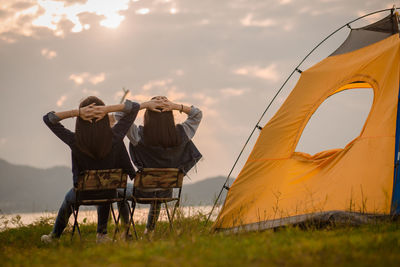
{"points": [[226, 57]]}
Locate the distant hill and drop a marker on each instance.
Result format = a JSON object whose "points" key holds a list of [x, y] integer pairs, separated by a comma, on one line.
{"points": [[29, 189], [203, 192]]}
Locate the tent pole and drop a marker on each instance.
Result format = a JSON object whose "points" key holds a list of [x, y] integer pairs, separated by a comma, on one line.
{"points": [[395, 203], [224, 186]]}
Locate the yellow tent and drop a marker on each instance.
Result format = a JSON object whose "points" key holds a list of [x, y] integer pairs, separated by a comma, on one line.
{"points": [[278, 186]]}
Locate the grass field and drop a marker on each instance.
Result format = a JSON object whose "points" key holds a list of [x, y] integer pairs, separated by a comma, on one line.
{"points": [[192, 244]]}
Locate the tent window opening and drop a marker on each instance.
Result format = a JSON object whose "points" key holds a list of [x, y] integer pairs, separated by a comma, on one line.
{"points": [[337, 121]]}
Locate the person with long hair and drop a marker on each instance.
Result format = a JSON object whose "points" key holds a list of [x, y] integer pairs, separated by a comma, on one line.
{"points": [[94, 146], [160, 143]]}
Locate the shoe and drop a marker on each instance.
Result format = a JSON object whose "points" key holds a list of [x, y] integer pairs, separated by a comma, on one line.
{"points": [[47, 239], [148, 234], [126, 237], [102, 238]]}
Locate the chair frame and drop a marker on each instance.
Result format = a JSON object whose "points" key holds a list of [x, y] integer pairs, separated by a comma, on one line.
{"points": [[157, 178], [98, 181]]}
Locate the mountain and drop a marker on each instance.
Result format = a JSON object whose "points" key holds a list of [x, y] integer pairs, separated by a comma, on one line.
{"points": [[203, 192], [29, 189]]}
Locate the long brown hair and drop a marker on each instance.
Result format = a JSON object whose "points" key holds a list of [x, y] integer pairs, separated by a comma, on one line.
{"points": [[95, 138], [159, 129]]}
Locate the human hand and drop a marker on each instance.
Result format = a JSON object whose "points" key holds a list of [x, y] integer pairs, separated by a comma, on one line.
{"points": [[86, 113], [153, 105], [99, 112], [168, 105], [90, 112]]}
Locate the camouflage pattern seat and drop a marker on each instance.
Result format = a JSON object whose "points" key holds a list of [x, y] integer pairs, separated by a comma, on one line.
{"points": [[99, 187], [157, 179]]}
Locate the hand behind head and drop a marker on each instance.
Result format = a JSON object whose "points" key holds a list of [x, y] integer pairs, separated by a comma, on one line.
{"points": [[92, 112]]}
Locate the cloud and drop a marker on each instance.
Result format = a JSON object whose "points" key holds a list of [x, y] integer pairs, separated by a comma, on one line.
{"points": [[288, 26], [204, 22], [164, 6], [3, 141], [91, 92], [49, 54], [143, 11], [156, 84], [17, 19], [232, 91], [316, 10], [160, 87], [84, 77], [118, 95], [139, 97], [249, 21], [26, 18], [153, 88], [179, 72], [174, 95], [205, 100], [95, 79], [284, 2], [7, 39], [268, 73], [372, 18], [61, 100], [78, 78]]}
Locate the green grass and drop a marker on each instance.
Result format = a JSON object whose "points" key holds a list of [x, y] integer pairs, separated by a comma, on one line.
{"points": [[192, 244]]}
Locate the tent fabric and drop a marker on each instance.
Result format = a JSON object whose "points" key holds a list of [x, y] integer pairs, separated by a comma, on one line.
{"points": [[358, 39], [388, 24], [316, 218], [361, 37], [278, 184]]}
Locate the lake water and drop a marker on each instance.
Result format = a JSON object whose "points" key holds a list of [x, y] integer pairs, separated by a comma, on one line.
{"points": [[90, 216]]}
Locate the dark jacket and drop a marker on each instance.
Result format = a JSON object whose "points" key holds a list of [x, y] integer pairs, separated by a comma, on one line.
{"points": [[183, 156], [118, 157]]}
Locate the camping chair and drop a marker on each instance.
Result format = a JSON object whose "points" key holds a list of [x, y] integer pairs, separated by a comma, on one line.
{"points": [[98, 187], [157, 178]]}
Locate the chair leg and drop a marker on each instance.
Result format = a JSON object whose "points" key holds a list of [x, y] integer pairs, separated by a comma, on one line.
{"points": [[75, 211], [176, 206], [131, 221], [169, 217], [116, 221]]}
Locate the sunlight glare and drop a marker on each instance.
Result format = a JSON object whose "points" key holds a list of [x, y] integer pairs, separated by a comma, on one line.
{"points": [[56, 11], [112, 21], [143, 11]]}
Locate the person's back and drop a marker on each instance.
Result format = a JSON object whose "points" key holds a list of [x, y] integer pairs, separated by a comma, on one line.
{"points": [[182, 156], [94, 146], [159, 143]]}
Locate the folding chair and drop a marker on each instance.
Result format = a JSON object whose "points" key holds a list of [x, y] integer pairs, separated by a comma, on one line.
{"points": [[157, 178], [99, 187]]}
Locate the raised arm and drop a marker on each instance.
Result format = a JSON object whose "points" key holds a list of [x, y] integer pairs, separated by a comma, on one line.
{"points": [[193, 120], [129, 128], [129, 112], [52, 120]]}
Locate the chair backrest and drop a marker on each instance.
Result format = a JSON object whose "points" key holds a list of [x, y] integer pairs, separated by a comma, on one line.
{"points": [[164, 178], [102, 180]]}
